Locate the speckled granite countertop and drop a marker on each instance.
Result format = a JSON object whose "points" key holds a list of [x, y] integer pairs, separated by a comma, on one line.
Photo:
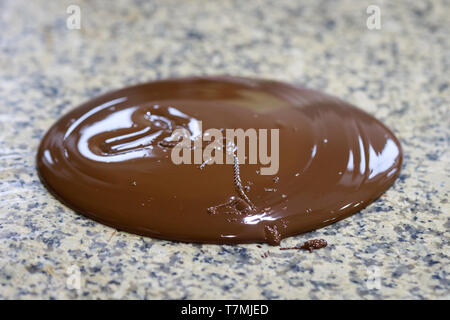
{"points": [[398, 247]]}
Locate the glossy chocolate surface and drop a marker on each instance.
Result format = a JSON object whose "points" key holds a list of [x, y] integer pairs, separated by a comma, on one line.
{"points": [[109, 160]]}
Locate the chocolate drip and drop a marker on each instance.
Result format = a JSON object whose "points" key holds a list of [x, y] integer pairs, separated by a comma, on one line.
{"points": [[309, 245]]}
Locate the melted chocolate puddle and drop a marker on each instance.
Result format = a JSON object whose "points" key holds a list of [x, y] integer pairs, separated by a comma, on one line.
{"points": [[109, 159]]}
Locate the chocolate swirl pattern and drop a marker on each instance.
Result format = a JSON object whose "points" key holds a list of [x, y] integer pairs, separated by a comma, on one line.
{"points": [[109, 159]]}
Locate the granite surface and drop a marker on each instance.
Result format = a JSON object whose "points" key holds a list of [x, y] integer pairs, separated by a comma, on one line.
{"points": [[398, 247]]}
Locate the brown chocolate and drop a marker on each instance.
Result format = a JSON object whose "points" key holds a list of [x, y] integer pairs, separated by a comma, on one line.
{"points": [[109, 159], [309, 245]]}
